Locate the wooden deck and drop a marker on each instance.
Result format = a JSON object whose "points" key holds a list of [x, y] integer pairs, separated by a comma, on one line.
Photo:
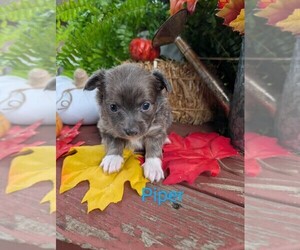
{"points": [[211, 215], [25, 224], [272, 210]]}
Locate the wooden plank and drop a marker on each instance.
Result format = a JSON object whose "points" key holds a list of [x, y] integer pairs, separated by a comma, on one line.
{"points": [[228, 185], [278, 181], [17, 246], [271, 225], [44, 133], [185, 129], [62, 245], [89, 134], [203, 222], [22, 217]]}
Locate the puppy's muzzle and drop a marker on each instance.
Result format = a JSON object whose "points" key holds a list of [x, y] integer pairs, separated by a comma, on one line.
{"points": [[131, 131]]}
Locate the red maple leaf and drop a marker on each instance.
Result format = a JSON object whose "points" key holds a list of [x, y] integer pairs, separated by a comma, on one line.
{"points": [[222, 3], [63, 142], [259, 147], [14, 140], [186, 158], [264, 3], [231, 10]]}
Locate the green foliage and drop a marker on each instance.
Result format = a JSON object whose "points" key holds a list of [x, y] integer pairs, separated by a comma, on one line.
{"points": [[27, 36], [92, 34], [23, 10], [268, 42], [208, 37], [69, 10]]}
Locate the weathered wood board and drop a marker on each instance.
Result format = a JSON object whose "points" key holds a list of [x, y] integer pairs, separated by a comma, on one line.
{"points": [[211, 216], [22, 218]]}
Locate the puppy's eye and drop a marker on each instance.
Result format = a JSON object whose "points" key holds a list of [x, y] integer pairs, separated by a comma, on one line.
{"points": [[113, 107], [146, 106]]}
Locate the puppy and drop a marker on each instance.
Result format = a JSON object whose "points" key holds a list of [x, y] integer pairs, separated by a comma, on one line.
{"points": [[135, 114]]}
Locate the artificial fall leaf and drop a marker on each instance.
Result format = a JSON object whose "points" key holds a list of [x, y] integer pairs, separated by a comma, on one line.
{"points": [[63, 142], [231, 11], [191, 5], [259, 147], [103, 188], [186, 158], [264, 3], [222, 3], [278, 11], [29, 169], [177, 5], [195, 140], [14, 140], [238, 24], [292, 23]]}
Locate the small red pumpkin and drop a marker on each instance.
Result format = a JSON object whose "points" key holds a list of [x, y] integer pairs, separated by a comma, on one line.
{"points": [[142, 50]]}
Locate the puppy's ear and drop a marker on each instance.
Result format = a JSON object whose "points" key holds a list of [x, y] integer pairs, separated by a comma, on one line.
{"points": [[97, 80], [162, 82]]}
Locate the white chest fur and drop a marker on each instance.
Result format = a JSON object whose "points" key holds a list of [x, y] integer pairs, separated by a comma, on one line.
{"points": [[136, 144]]}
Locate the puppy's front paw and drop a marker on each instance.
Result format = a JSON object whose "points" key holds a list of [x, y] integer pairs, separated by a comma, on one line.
{"points": [[153, 170], [112, 163]]}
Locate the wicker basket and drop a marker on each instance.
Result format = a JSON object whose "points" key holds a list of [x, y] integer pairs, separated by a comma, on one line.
{"points": [[190, 98]]}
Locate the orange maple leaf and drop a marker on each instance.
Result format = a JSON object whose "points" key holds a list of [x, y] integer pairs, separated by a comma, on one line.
{"points": [[37, 166], [104, 188]]}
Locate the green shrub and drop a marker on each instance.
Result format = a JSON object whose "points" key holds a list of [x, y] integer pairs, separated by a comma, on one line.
{"points": [[92, 34], [27, 36]]}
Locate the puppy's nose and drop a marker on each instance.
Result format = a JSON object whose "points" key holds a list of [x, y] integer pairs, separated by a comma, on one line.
{"points": [[130, 131]]}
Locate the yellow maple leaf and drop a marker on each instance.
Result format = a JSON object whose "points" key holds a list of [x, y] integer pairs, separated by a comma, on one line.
{"points": [[104, 188], [292, 23], [27, 170], [238, 24]]}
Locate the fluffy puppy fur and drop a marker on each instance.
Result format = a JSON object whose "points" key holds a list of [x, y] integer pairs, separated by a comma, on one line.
{"points": [[134, 113]]}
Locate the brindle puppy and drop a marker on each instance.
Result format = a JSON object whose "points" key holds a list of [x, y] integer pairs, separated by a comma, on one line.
{"points": [[134, 113]]}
